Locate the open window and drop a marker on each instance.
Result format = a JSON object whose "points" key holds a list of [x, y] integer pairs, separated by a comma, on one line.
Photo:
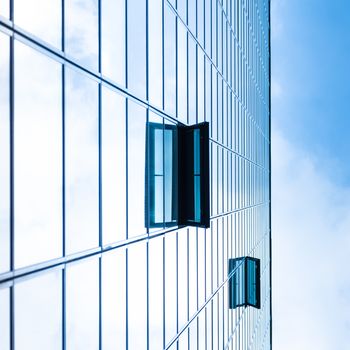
{"points": [[244, 284], [177, 175]]}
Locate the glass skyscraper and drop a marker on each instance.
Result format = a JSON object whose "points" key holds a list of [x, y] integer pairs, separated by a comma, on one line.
{"points": [[92, 252]]}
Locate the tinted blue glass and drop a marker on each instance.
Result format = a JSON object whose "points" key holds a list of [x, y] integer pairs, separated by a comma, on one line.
{"points": [[182, 72], [192, 80], [41, 18], [38, 157], [4, 155], [137, 47], [113, 40], [38, 312], [81, 137], [113, 166], [183, 272], [136, 168], [114, 300], [5, 319], [81, 31], [82, 306], [251, 266]]}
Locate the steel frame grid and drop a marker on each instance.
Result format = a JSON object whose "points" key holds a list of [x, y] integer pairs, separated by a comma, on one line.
{"points": [[34, 42]]}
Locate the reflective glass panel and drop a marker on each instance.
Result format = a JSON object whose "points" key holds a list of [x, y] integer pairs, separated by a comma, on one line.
{"points": [[38, 157], [156, 293], [114, 300], [41, 18], [136, 168], [137, 297], [81, 31], [113, 166], [4, 319], [4, 155], [38, 312], [82, 305], [182, 72], [155, 51], [81, 137], [137, 47], [113, 40]]}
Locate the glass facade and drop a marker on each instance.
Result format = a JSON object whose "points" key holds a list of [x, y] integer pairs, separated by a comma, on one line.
{"points": [[80, 84]]}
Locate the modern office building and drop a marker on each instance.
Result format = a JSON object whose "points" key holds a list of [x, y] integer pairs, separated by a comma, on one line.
{"points": [[135, 174]]}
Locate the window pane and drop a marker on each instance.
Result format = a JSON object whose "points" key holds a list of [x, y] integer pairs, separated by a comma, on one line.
{"points": [[113, 40], [41, 18], [136, 168], [4, 155], [81, 136], [81, 31], [182, 73], [137, 47], [4, 319], [155, 30], [113, 166], [137, 297], [4, 8], [38, 312], [169, 61], [82, 300], [38, 157], [114, 300], [156, 266]]}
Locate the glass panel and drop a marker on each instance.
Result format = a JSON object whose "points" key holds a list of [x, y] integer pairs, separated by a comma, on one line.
{"points": [[182, 257], [170, 287], [81, 137], [192, 270], [137, 297], [155, 51], [169, 61], [137, 47], [170, 173], [113, 166], [82, 305], [197, 198], [182, 73], [5, 8], [156, 293], [38, 157], [136, 168], [113, 40], [192, 80], [4, 319], [4, 155], [251, 266], [81, 31], [38, 312], [41, 18], [114, 300]]}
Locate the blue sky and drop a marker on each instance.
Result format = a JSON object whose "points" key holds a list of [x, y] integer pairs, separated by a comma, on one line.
{"points": [[311, 174]]}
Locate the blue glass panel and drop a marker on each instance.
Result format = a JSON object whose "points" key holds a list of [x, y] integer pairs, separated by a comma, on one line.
{"points": [[137, 297], [41, 18], [113, 40], [38, 312], [136, 168], [81, 31], [4, 155], [38, 157], [82, 305], [183, 273], [114, 300], [192, 80], [192, 270], [113, 166], [137, 47], [81, 136], [4, 319]]}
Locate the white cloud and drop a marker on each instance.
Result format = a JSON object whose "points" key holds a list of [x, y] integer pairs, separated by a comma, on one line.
{"points": [[311, 247], [276, 88]]}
